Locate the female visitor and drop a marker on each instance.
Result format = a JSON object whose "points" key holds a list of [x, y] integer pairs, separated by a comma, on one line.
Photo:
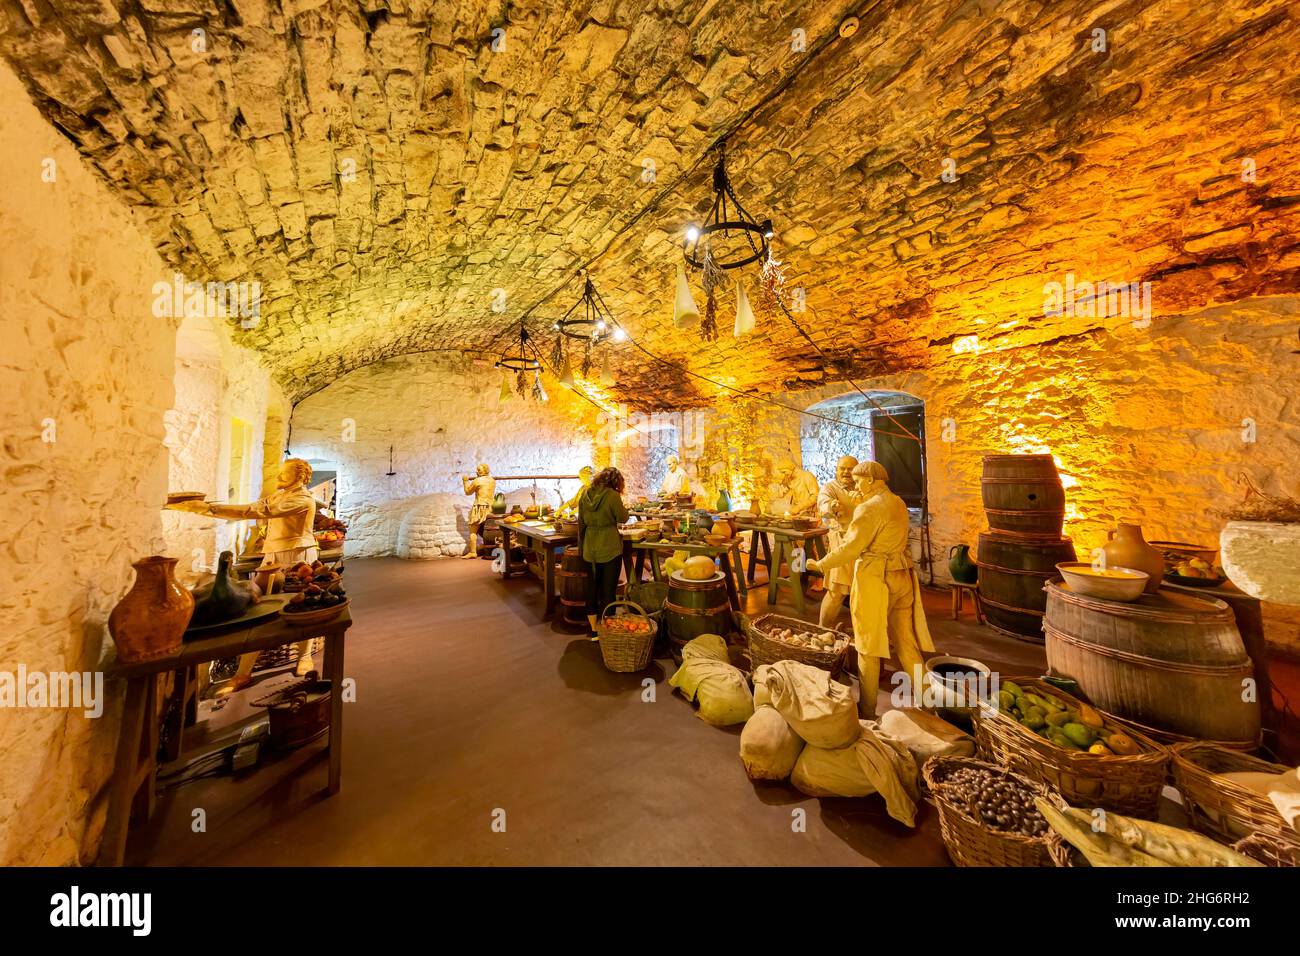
{"points": [[600, 512]]}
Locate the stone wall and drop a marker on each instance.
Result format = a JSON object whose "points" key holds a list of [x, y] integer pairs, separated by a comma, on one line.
{"points": [[1152, 425], [86, 380], [441, 416]]}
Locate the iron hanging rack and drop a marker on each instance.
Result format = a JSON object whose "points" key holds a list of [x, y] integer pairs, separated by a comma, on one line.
{"points": [[729, 221]]}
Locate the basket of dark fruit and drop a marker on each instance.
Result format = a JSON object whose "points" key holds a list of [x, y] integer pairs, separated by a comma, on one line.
{"points": [[314, 606], [987, 815], [302, 575]]}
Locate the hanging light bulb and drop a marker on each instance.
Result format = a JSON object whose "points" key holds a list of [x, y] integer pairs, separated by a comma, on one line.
{"points": [[566, 373], [620, 335], [505, 388], [606, 373], [744, 314], [539, 393], [685, 312]]}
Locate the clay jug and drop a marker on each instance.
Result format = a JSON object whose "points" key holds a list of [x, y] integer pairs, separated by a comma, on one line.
{"points": [[148, 622], [499, 503], [1126, 548], [960, 566], [724, 500], [224, 599]]}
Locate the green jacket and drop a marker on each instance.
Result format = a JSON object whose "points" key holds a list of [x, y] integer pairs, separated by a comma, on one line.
{"points": [[600, 512]]}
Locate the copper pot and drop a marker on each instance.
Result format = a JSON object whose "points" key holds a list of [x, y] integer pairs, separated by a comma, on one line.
{"points": [[149, 621]]}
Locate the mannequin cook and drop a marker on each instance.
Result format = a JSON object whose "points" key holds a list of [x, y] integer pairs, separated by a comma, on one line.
{"points": [[886, 599], [482, 486], [289, 512], [585, 474], [799, 486], [835, 503], [676, 482]]}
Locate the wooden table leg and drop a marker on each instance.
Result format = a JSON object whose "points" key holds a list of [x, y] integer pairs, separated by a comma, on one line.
{"points": [[798, 580], [725, 560], [548, 578], [754, 537], [654, 565], [774, 570], [739, 565], [640, 564], [627, 561], [956, 603], [334, 668], [112, 848], [505, 549]]}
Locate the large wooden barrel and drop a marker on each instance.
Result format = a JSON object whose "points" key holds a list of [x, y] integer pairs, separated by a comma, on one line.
{"points": [[1013, 570], [696, 607], [1023, 494], [573, 575], [1168, 661]]}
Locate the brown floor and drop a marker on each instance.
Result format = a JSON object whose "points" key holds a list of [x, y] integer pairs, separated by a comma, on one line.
{"points": [[468, 704]]}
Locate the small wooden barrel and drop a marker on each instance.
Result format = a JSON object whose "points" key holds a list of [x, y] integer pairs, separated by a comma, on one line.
{"points": [[1023, 494], [1013, 570], [696, 607], [573, 585], [1169, 661]]}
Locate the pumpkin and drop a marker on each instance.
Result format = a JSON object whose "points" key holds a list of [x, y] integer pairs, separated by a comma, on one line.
{"points": [[698, 568]]}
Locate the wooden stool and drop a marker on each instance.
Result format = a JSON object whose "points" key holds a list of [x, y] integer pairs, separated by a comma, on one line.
{"points": [[959, 591]]}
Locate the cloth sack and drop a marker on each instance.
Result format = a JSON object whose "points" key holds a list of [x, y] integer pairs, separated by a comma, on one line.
{"points": [[876, 763], [705, 676], [818, 709], [768, 747], [1283, 789], [761, 694], [926, 736]]}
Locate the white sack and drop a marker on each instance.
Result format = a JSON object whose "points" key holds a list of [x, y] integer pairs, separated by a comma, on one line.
{"points": [[768, 747], [817, 708]]}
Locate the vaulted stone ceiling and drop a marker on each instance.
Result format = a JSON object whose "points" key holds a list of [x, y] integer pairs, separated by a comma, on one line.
{"points": [[479, 169]]}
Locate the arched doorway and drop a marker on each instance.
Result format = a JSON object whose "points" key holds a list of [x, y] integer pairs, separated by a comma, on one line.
{"points": [[890, 429]]}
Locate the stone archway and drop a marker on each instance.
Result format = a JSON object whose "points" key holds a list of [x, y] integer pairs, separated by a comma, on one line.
{"points": [[891, 424]]}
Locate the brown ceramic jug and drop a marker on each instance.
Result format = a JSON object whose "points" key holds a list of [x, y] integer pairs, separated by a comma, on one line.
{"points": [[149, 621], [1126, 548]]}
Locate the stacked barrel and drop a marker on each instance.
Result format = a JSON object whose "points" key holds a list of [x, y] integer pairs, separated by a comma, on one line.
{"points": [[1024, 502]]}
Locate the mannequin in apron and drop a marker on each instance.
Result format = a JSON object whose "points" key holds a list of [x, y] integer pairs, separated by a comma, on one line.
{"points": [[885, 603], [835, 503], [482, 486]]}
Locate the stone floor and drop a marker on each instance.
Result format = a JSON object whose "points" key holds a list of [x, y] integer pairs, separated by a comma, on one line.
{"points": [[469, 704]]}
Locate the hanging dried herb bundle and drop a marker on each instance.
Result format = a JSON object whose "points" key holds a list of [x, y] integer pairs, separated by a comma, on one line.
{"points": [[712, 278], [557, 353], [1258, 506], [586, 359], [521, 384], [773, 283]]}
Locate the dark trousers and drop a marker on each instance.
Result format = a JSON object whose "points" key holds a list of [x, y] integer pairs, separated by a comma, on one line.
{"points": [[602, 583]]}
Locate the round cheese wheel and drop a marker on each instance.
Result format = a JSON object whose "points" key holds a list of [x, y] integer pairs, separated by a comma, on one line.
{"points": [[698, 568]]}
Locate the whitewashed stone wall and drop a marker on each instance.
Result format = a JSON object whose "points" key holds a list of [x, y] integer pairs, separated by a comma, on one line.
{"points": [[85, 357], [442, 416], [1148, 425]]}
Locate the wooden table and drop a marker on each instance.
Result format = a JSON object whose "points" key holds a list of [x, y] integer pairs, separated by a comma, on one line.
{"points": [[544, 541], [722, 552], [136, 764], [778, 552]]}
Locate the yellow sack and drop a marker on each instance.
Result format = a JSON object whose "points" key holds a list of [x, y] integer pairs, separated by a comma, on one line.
{"points": [[926, 735], [817, 708], [721, 689], [768, 747]]}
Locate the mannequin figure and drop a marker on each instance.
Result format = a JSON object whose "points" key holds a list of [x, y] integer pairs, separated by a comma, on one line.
{"points": [[289, 512], [585, 474], [483, 486], [885, 603], [798, 485], [835, 503], [676, 481]]}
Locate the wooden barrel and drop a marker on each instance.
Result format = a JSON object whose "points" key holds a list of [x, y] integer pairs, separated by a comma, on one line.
{"points": [[1012, 571], [1169, 661], [696, 607], [1023, 494], [573, 585]]}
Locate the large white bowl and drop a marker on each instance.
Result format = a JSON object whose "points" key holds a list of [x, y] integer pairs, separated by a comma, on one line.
{"points": [[1109, 584]]}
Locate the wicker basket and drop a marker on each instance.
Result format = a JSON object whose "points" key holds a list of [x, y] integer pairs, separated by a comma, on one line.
{"points": [[968, 841], [1125, 784], [1220, 808], [767, 650], [622, 652], [1270, 847], [1062, 853]]}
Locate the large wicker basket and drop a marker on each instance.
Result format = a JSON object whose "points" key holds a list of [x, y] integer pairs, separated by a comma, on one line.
{"points": [[623, 651], [1220, 808], [1270, 847], [1062, 852], [968, 841], [1125, 784], [768, 650]]}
